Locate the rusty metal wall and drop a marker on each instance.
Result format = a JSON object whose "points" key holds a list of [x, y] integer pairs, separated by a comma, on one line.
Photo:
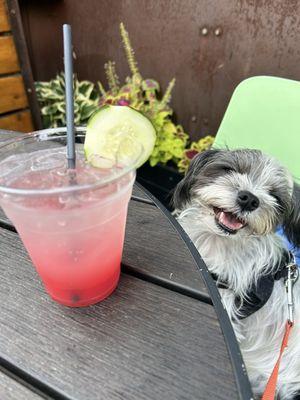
{"points": [[208, 45]]}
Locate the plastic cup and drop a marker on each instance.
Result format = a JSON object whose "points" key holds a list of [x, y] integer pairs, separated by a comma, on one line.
{"points": [[72, 223]]}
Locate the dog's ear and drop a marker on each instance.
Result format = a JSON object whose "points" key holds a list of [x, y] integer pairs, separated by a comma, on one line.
{"points": [[183, 191], [291, 224]]}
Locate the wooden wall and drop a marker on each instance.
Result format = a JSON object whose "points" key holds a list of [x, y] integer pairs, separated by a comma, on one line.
{"points": [[14, 111], [208, 45]]}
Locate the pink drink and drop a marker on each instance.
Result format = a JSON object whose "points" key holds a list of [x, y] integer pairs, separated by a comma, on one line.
{"points": [[73, 231]]}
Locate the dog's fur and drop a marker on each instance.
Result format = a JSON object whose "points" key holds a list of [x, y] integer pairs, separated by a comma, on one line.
{"points": [[212, 184]]}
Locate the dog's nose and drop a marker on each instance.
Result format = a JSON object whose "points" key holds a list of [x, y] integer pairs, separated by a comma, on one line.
{"points": [[247, 201]]}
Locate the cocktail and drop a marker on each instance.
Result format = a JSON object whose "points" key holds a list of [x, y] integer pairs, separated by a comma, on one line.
{"points": [[73, 230], [69, 201]]}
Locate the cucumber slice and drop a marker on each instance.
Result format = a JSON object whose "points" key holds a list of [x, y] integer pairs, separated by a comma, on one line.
{"points": [[118, 134]]}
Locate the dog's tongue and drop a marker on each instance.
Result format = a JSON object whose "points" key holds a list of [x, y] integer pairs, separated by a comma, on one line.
{"points": [[230, 221]]}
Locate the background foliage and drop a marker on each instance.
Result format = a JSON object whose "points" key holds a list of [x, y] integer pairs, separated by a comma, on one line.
{"points": [[172, 142]]}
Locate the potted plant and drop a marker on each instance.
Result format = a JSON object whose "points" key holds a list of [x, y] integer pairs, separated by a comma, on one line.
{"points": [[173, 150]]}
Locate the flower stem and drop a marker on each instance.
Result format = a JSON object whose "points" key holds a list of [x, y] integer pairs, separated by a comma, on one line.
{"points": [[167, 96], [128, 50]]}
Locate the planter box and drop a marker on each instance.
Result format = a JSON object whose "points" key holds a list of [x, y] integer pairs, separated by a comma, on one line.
{"points": [[160, 181]]}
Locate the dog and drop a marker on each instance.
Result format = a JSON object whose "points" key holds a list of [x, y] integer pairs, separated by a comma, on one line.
{"points": [[230, 204]]}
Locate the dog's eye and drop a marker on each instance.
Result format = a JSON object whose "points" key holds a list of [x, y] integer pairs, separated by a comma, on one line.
{"points": [[227, 169], [277, 198]]}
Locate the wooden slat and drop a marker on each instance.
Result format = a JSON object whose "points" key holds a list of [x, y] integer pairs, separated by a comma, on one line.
{"points": [[8, 135], [10, 389], [4, 21], [25, 62], [158, 249], [19, 121], [8, 56], [13, 96], [144, 342]]}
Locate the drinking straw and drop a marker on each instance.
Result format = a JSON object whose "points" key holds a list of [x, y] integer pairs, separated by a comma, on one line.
{"points": [[68, 63]]}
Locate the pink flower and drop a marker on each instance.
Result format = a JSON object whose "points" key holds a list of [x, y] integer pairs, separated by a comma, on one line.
{"points": [[123, 102], [191, 154]]}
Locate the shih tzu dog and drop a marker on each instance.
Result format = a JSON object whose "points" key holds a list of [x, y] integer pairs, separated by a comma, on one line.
{"points": [[230, 203]]}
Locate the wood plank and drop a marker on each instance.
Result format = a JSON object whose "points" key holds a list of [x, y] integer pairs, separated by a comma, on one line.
{"points": [[144, 342], [13, 96], [9, 62], [8, 134], [4, 21], [19, 121], [24, 59], [158, 249], [10, 389]]}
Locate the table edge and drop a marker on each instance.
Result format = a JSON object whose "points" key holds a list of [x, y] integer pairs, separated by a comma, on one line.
{"points": [[238, 366]]}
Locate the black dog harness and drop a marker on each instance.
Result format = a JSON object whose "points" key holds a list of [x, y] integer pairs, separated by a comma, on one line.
{"points": [[260, 292]]}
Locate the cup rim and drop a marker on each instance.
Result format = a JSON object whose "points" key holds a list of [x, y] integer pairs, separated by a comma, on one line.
{"points": [[43, 136]]}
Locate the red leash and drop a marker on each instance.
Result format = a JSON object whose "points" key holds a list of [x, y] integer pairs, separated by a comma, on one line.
{"points": [[270, 391], [293, 273]]}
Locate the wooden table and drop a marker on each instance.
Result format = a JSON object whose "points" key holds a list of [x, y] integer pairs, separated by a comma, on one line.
{"points": [[158, 336]]}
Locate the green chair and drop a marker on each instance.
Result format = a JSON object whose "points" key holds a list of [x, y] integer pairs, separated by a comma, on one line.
{"points": [[264, 113]]}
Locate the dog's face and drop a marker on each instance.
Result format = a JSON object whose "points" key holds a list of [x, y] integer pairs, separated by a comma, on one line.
{"points": [[241, 192]]}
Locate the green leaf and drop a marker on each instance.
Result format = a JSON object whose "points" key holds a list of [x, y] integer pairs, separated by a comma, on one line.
{"points": [[80, 98], [169, 127], [153, 161], [46, 121], [76, 108], [56, 86], [178, 153], [61, 79], [86, 88], [161, 117], [45, 92], [49, 93], [48, 110], [77, 119], [40, 85], [61, 107], [87, 111]]}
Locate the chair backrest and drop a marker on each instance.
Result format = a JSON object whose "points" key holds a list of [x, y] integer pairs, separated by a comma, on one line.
{"points": [[264, 113]]}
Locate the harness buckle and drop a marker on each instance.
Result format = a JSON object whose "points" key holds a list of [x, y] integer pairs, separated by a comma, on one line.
{"points": [[292, 276]]}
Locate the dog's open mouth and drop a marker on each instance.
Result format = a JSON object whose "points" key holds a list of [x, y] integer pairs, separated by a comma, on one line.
{"points": [[227, 221]]}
